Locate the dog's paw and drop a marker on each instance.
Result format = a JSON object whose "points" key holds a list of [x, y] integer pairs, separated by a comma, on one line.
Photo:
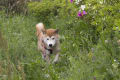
{"points": [[43, 56]]}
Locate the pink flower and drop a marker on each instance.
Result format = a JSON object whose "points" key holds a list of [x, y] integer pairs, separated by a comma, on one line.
{"points": [[71, 1], [84, 12], [79, 14]]}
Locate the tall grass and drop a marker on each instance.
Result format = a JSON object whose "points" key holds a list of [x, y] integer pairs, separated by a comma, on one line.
{"points": [[80, 58]]}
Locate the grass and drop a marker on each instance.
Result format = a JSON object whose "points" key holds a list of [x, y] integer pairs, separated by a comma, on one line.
{"points": [[80, 58]]}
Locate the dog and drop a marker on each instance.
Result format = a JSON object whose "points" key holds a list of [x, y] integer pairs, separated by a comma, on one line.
{"points": [[48, 42]]}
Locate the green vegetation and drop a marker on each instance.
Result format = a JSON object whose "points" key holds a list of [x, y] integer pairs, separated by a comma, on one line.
{"points": [[90, 45]]}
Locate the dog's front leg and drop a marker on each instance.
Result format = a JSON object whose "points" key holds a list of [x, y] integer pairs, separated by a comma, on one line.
{"points": [[47, 58], [43, 53], [56, 58]]}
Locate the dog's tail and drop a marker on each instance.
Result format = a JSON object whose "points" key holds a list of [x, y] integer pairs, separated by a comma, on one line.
{"points": [[40, 29]]}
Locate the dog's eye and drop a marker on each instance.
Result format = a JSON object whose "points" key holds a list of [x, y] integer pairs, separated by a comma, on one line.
{"points": [[47, 38], [53, 38]]}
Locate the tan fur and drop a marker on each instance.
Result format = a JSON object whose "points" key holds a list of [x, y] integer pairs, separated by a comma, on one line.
{"points": [[40, 28], [51, 32], [41, 33]]}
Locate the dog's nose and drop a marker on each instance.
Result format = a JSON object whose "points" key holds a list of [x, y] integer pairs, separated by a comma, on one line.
{"points": [[50, 45]]}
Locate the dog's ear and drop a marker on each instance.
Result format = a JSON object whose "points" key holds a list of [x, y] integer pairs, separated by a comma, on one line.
{"points": [[56, 31]]}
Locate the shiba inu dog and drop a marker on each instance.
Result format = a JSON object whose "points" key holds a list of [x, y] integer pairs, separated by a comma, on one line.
{"points": [[48, 42]]}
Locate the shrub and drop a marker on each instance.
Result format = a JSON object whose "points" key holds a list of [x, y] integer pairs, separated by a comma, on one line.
{"points": [[103, 14], [44, 10], [47, 10]]}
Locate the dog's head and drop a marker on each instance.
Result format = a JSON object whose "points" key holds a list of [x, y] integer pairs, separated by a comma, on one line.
{"points": [[51, 37]]}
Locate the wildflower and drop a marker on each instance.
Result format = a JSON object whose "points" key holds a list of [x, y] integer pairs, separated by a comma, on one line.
{"points": [[77, 1], [118, 41], [89, 4], [47, 75], [84, 13], [71, 1], [115, 65], [114, 60], [106, 41], [117, 27], [101, 2], [82, 7], [79, 14]]}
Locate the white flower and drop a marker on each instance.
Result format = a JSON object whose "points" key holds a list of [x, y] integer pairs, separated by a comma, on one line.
{"points": [[47, 75], [106, 41], [101, 2], [89, 4], [117, 27], [82, 7], [118, 41], [114, 60], [77, 1]]}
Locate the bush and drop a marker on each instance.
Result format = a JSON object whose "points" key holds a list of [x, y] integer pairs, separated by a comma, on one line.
{"points": [[103, 14], [44, 10]]}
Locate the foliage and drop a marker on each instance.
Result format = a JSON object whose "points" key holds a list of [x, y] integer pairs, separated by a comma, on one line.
{"points": [[103, 14], [44, 10], [89, 44]]}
